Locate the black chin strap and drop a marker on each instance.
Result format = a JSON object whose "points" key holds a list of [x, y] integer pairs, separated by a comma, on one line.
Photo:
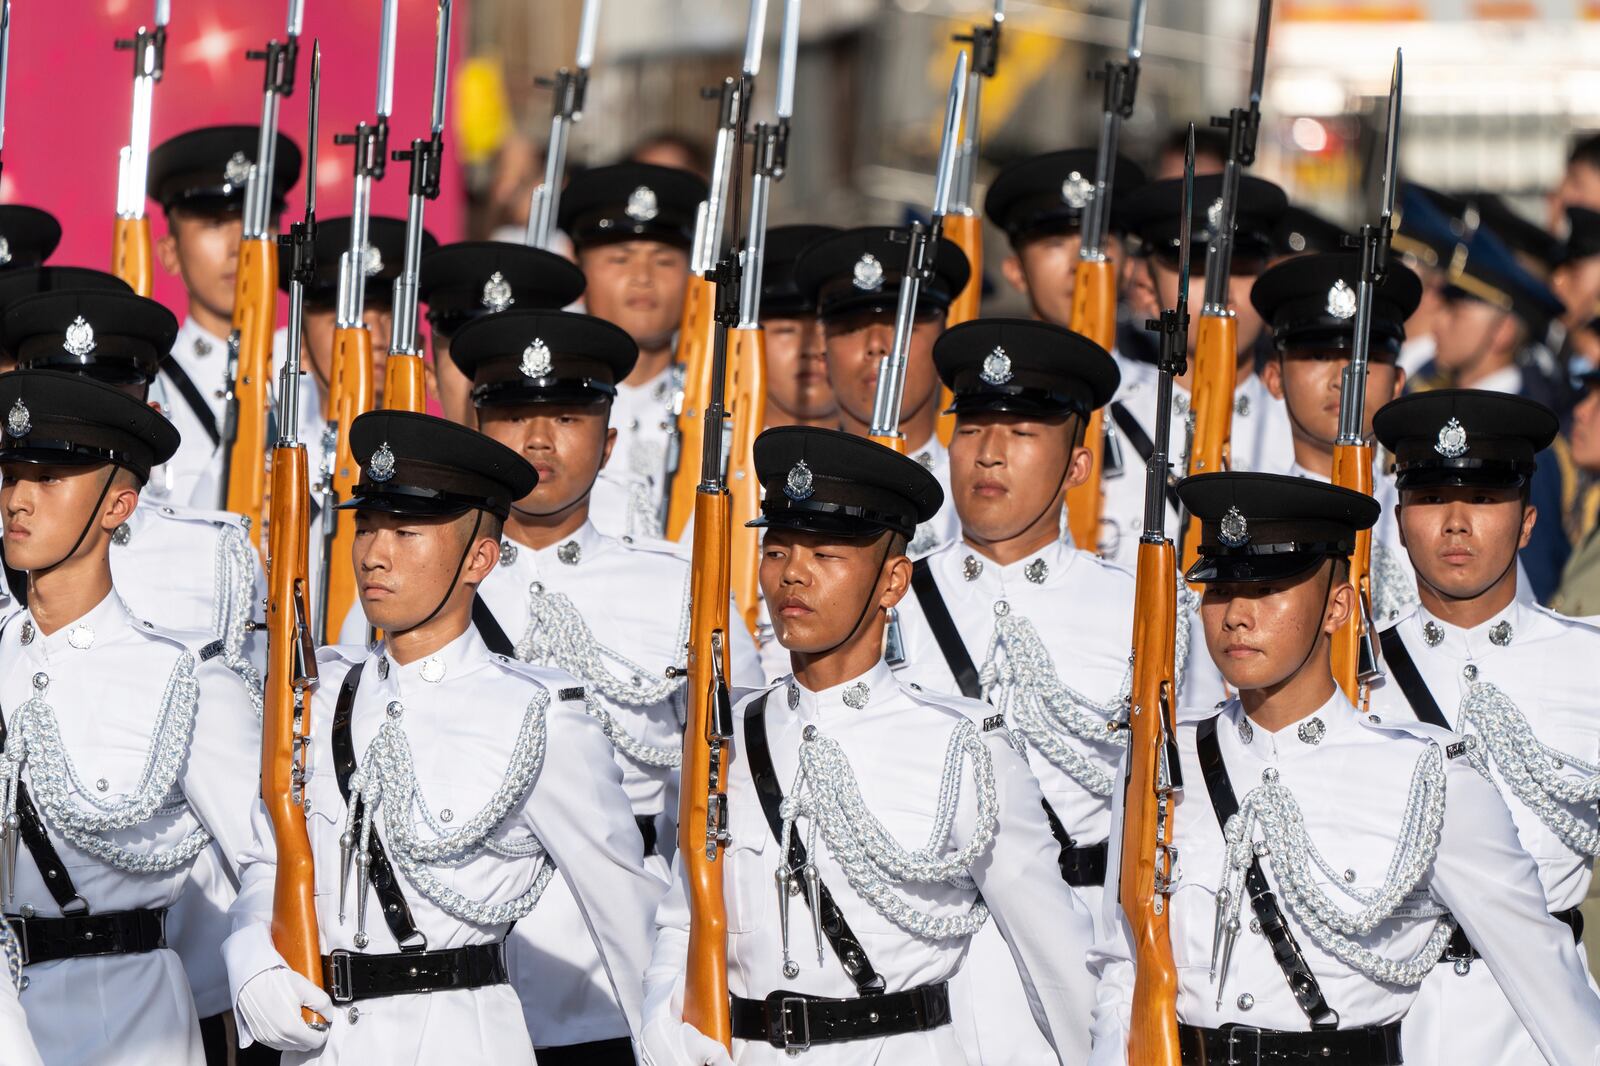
{"points": [[477, 524], [94, 513], [866, 606]]}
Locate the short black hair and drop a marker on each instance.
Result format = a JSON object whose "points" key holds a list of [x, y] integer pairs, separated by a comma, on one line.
{"points": [[1585, 150]]}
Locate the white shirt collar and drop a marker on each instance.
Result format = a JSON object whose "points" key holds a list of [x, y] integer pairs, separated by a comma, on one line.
{"points": [[1478, 641], [849, 698]]}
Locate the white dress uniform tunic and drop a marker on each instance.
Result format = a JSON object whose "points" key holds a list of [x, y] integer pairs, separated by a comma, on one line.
{"points": [[1354, 780], [895, 738], [105, 678], [628, 497], [613, 614], [946, 525], [1394, 580], [1035, 665], [14, 1035], [1541, 662], [575, 809]]}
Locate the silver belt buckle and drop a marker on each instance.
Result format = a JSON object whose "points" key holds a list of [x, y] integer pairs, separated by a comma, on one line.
{"points": [[19, 926], [340, 976], [1244, 1046], [794, 1047]]}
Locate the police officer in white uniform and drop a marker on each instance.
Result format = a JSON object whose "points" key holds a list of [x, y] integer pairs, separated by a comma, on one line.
{"points": [[985, 618], [198, 178], [1326, 856], [904, 820], [613, 612], [129, 747], [468, 779], [854, 280], [1510, 676]]}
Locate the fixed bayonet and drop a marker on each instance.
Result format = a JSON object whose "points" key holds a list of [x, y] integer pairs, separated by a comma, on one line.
{"points": [[569, 87], [985, 42], [1120, 82], [1242, 124], [371, 144], [300, 242], [770, 153], [5, 71], [279, 59], [149, 48], [1173, 327], [425, 158]]}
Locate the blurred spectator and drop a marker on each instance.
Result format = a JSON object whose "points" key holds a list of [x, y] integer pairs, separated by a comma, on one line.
{"points": [[667, 148], [1579, 593], [1580, 185], [1576, 279]]}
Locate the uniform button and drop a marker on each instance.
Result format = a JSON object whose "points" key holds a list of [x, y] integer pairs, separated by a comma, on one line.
{"points": [[395, 710], [1469, 672], [1001, 609], [447, 815], [28, 911], [354, 1014], [102, 784], [1246, 1001], [41, 681]]}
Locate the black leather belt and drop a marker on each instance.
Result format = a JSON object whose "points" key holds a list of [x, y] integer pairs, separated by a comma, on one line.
{"points": [[795, 1021], [647, 831], [1084, 865], [349, 976], [82, 935], [1242, 1045], [1460, 949]]}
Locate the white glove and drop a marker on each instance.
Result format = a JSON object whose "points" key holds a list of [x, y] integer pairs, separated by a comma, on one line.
{"points": [[673, 1042], [269, 1006]]}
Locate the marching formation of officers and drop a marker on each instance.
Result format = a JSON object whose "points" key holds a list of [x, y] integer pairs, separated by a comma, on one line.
{"points": [[929, 726]]}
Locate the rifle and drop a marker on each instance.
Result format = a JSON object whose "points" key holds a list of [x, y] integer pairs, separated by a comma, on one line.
{"points": [[570, 86], [350, 390], [747, 343], [698, 327], [1217, 348], [404, 383], [1355, 662], [922, 247], [964, 227], [708, 728], [291, 643], [5, 70], [1094, 285], [130, 241], [255, 300], [1153, 781]]}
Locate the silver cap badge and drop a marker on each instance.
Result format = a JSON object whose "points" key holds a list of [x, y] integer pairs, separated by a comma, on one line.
{"points": [[1234, 530], [996, 367], [237, 170], [371, 261], [798, 485], [497, 293], [5, 251], [381, 466], [867, 275], [1076, 191], [79, 340], [1214, 215], [1452, 442], [642, 206], [1341, 300], [536, 361], [18, 420]]}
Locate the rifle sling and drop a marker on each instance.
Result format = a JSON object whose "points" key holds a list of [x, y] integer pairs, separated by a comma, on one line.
{"points": [[1142, 444], [396, 912], [494, 637], [1405, 673], [945, 633], [852, 956], [191, 396], [1274, 926]]}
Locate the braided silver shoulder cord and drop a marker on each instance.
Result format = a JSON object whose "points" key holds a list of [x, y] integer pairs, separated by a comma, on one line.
{"points": [[35, 743], [558, 636], [234, 589], [1532, 768], [647, 463], [13, 955], [1297, 863], [826, 794], [387, 779], [1394, 592]]}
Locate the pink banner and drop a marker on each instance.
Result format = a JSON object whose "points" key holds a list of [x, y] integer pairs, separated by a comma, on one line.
{"points": [[70, 93]]}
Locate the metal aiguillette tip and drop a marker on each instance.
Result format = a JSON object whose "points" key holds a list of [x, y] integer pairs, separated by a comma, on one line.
{"points": [[783, 876], [362, 862], [346, 853], [1223, 898], [1231, 934], [814, 898]]}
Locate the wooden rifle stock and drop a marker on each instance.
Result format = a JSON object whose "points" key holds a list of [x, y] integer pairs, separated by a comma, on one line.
{"points": [[130, 254], [897, 443], [255, 293], [1148, 812], [349, 395], [286, 717], [1094, 315], [696, 331], [1216, 371], [1352, 469], [965, 230], [747, 359], [404, 383], [702, 798]]}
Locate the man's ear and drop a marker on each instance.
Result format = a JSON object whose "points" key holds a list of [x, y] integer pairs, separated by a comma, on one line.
{"points": [[1341, 605], [167, 250], [481, 560], [897, 581], [121, 499], [1011, 269], [1272, 375], [1530, 517], [611, 443], [1079, 467]]}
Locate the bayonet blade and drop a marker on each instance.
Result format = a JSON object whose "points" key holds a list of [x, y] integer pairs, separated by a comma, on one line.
{"points": [[386, 34], [1391, 148], [588, 31], [1136, 32], [1186, 225], [755, 31], [163, 13], [314, 91], [297, 17], [441, 61], [947, 146], [5, 65], [788, 54], [1258, 65]]}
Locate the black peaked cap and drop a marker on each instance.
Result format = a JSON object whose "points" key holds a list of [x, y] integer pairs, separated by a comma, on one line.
{"points": [[118, 337], [386, 258], [1269, 527], [781, 295], [831, 482], [466, 280], [1464, 437], [861, 270], [30, 281], [1310, 302], [1154, 214], [1023, 366], [1583, 234], [1301, 230], [632, 202], [1046, 194], [28, 236], [206, 168], [521, 357], [55, 418], [418, 464]]}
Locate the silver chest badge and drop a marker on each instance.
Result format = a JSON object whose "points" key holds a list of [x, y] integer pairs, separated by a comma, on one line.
{"points": [[1433, 633], [867, 274], [371, 261], [642, 206], [996, 367], [1452, 442], [237, 170], [508, 552], [381, 466], [1234, 530], [856, 696], [1500, 633], [1341, 301], [1076, 191], [798, 485], [79, 340], [971, 567], [536, 361], [497, 293], [1214, 216], [5, 251], [1311, 731], [18, 421], [1037, 571], [569, 553]]}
